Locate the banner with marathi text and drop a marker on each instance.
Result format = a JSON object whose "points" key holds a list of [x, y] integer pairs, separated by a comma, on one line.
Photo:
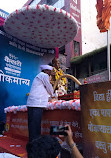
{"points": [[19, 64], [96, 119], [17, 123]]}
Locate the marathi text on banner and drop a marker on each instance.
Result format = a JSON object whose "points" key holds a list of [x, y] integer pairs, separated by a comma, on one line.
{"points": [[12, 79]]}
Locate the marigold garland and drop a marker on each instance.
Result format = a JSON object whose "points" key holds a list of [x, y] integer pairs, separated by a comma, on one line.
{"points": [[59, 73]]}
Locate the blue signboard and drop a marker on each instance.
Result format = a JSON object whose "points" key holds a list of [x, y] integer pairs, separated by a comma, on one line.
{"points": [[3, 14], [17, 71]]}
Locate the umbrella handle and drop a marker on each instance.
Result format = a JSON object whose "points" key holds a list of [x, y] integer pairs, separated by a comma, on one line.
{"points": [[67, 76]]}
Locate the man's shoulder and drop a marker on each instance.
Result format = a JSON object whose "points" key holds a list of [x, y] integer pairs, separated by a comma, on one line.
{"points": [[42, 75]]}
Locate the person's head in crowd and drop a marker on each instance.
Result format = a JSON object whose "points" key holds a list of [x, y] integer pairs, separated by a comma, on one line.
{"points": [[46, 69], [46, 147], [55, 63]]}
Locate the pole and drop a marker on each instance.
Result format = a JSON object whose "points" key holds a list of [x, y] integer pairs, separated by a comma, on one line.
{"points": [[108, 55]]}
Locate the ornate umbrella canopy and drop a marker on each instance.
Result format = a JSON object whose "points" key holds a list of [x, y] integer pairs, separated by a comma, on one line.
{"points": [[43, 26]]}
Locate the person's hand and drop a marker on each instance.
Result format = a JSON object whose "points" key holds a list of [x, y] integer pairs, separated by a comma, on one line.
{"points": [[53, 73], [52, 99], [75, 152], [69, 138]]}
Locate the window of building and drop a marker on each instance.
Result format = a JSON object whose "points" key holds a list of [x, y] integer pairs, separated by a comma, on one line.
{"points": [[76, 48], [59, 3], [82, 70], [62, 50], [99, 63], [51, 2], [35, 2], [75, 1], [55, 3]]}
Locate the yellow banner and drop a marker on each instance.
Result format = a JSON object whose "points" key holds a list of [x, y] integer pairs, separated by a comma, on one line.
{"points": [[96, 119]]}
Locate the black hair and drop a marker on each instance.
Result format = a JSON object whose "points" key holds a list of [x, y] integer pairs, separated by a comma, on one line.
{"points": [[44, 146], [54, 60], [50, 64]]}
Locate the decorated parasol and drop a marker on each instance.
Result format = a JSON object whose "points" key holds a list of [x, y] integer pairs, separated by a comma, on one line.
{"points": [[42, 25]]}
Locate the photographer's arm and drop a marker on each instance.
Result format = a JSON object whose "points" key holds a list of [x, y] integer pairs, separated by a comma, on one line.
{"points": [[69, 140]]}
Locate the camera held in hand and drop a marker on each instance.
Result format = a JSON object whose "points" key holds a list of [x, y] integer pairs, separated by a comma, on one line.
{"points": [[58, 130]]}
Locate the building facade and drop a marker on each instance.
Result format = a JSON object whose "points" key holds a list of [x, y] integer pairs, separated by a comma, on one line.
{"points": [[92, 66]]}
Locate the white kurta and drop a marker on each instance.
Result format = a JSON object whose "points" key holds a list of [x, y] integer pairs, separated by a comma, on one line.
{"points": [[40, 91], [7, 155]]}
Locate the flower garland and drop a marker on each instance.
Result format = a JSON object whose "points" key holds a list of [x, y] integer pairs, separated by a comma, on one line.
{"points": [[60, 104], [59, 73]]}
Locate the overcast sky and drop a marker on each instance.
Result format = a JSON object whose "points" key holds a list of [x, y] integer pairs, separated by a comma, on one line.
{"points": [[11, 5]]}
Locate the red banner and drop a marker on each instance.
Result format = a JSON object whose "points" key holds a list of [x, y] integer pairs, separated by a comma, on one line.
{"points": [[103, 14], [16, 124]]}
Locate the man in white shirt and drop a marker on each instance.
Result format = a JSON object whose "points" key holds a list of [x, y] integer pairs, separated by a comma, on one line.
{"points": [[38, 99]]}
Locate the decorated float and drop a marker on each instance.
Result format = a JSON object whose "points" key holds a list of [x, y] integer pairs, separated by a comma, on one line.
{"points": [[46, 27], [16, 134]]}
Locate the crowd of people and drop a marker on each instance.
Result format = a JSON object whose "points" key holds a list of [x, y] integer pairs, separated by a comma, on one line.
{"points": [[47, 146]]}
